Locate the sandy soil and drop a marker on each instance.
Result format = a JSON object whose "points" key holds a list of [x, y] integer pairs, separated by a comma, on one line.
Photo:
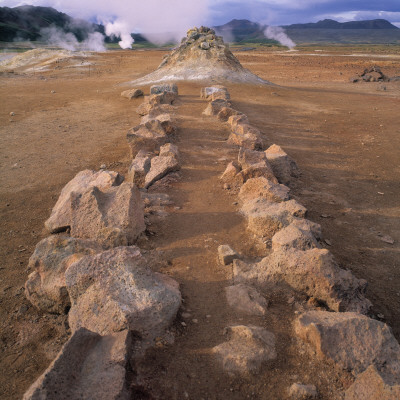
{"points": [[345, 138]]}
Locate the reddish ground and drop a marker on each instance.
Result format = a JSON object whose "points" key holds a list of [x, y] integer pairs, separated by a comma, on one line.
{"points": [[344, 137]]}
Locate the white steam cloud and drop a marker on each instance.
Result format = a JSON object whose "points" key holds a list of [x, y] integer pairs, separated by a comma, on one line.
{"points": [[279, 34], [56, 37], [120, 29]]}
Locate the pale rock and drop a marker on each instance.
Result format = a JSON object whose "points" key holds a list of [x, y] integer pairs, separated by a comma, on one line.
{"points": [[208, 92], [226, 254], [169, 150], [247, 349], [248, 158], [244, 135], [351, 340], [116, 290], [265, 218], [45, 287], [215, 106], [132, 93], [166, 87], [301, 234], [162, 98], [231, 175], [246, 299], [284, 167], [302, 392], [112, 217], [262, 187], [161, 166], [374, 383], [60, 218], [313, 272], [139, 168], [89, 366]]}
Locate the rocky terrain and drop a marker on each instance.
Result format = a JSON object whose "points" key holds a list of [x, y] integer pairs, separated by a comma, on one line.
{"points": [[190, 256]]}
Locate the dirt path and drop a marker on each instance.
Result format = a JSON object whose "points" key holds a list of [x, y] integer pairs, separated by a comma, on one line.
{"points": [[204, 216]]}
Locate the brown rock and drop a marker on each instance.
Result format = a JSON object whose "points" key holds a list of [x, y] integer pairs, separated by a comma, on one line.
{"points": [[313, 272], [112, 217], [60, 218], [226, 112], [244, 135], [116, 290], [139, 168], [132, 93], [350, 340], [226, 254], [169, 150], [232, 175], [162, 98], [89, 366], [239, 119], [302, 392], [301, 234], [284, 167], [265, 218], [262, 187], [147, 137], [215, 106], [165, 120], [45, 287], [247, 348], [161, 166], [246, 299], [375, 384]]}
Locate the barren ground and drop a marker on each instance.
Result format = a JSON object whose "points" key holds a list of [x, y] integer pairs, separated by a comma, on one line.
{"points": [[345, 138]]}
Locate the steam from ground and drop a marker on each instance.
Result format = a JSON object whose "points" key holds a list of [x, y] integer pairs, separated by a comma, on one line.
{"points": [[57, 37], [120, 29], [279, 34]]}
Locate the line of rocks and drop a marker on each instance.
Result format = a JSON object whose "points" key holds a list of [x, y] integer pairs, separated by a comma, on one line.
{"points": [[343, 334], [90, 267]]}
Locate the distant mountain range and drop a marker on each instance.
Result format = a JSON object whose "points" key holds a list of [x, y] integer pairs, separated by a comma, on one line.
{"points": [[326, 31], [26, 22]]}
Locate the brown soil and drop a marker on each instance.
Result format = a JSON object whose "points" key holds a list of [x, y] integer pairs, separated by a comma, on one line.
{"points": [[345, 138]]}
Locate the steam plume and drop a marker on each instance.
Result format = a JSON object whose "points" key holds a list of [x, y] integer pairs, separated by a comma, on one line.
{"points": [[278, 33], [120, 29]]}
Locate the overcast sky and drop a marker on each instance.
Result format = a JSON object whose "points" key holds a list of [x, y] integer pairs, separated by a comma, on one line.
{"points": [[166, 13]]}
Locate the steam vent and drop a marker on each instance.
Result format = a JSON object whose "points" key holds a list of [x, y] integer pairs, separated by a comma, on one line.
{"points": [[202, 55]]}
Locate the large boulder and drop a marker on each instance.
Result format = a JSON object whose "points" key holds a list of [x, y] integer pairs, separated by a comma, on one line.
{"points": [[45, 287], [246, 350], [89, 366], [262, 187], [116, 290], [265, 218], [166, 162], [112, 217], [60, 218], [246, 299], [147, 137], [301, 234], [227, 112], [374, 383], [284, 167], [239, 119], [313, 272], [350, 340], [138, 169], [245, 135]]}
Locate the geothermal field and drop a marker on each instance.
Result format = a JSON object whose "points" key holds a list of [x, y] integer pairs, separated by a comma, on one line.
{"points": [[200, 223]]}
